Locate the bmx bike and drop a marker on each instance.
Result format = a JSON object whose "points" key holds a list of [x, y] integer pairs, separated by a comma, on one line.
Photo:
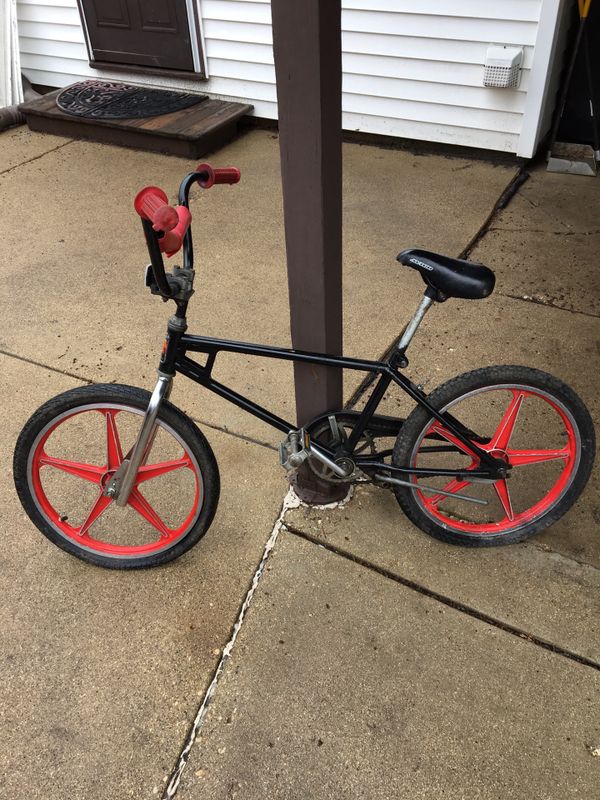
{"points": [[122, 478]]}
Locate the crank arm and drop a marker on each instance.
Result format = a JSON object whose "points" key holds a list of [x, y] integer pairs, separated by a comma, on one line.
{"points": [[316, 451]]}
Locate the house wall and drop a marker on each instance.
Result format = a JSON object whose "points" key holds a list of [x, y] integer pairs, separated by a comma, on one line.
{"points": [[411, 69]]}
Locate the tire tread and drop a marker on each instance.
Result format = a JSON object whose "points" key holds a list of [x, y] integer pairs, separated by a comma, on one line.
{"points": [[138, 398], [454, 389]]}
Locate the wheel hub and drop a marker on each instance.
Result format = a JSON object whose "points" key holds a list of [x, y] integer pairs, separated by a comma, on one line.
{"points": [[108, 484], [107, 477]]}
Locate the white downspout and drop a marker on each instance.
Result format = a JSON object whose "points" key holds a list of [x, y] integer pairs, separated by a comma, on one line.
{"points": [[11, 92], [11, 84]]}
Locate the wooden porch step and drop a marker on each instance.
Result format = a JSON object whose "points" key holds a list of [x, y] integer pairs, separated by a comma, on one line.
{"points": [[191, 132]]}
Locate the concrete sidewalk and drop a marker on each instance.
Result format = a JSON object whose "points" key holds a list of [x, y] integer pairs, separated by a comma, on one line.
{"points": [[346, 684], [373, 661]]}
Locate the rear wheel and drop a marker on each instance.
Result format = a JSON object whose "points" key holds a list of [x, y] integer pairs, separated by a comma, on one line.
{"points": [[69, 451], [531, 420]]}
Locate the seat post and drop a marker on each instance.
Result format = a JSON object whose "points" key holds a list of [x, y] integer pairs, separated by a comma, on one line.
{"points": [[416, 320]]}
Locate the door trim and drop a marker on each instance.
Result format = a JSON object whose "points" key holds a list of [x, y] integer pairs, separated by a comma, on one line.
{"points": [[200, 71]]}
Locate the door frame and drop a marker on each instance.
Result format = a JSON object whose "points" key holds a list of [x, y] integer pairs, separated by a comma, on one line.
{"points": [[200, 72]]}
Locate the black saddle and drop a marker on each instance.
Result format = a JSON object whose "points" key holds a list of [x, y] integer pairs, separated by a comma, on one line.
{"points": [[450, 277]]}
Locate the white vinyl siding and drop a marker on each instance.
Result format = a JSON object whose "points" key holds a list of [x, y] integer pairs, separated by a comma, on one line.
{"points": [[411, 69]]}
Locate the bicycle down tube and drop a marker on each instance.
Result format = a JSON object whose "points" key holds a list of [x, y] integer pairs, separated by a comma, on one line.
{"points": [[176, 360]]}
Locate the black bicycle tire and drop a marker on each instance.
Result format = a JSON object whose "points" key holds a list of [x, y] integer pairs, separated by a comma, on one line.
{"points": [[138, 399], [452, 391]]}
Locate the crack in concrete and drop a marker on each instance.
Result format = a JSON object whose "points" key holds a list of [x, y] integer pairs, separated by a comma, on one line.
{"points": [[541, 230], [449, 602], [501, 203], [290, 501], [547, 304], [35, 158], [90, 382]]}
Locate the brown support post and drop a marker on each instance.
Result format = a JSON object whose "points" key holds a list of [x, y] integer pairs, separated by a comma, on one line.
{"points": [[308, 65]]}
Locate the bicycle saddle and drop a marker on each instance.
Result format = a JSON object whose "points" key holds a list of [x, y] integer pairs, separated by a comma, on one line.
{"points": [[452, 277]]}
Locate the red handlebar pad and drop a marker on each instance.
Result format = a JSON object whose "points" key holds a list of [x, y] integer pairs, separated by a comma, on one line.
{"points": [[172, 241], [217, 175], [152, 203]]}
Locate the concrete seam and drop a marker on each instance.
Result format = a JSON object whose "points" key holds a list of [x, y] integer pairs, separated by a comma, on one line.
{"points": [[501, 203], [81, 379], [449, 602], [290, 501], [241, 436], [35, 158], [541, 230], [26, 360], [547, 304]]}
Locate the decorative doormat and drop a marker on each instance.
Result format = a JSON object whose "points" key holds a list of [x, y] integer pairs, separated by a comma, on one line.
{"points": [[111, 100]]}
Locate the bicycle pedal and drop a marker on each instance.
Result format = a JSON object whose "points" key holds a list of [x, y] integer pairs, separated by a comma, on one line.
{"points": [[294, 449]]}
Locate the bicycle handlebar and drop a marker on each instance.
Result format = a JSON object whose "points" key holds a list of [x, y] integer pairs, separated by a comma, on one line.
{"points": [[152, 204], [166, 227]]}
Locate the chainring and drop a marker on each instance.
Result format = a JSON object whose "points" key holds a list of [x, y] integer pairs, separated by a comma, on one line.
{"points": [[322, 434]]}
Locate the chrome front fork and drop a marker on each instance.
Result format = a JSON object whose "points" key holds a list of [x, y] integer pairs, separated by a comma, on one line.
{"points": [[122, 483]]}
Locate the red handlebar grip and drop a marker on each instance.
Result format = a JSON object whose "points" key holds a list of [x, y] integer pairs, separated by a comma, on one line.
{"points": [[153, 204], [227, 175], [217, 175], [172, 241]]}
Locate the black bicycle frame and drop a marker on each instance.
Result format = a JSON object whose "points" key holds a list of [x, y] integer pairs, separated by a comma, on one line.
{"points": [[175, 360], [178, 343]]}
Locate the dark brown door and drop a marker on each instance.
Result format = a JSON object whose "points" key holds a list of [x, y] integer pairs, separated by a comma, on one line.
{"points": [[151, 33]]}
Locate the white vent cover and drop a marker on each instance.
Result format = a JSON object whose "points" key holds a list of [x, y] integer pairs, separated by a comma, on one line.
{"points": [[503, 67]]}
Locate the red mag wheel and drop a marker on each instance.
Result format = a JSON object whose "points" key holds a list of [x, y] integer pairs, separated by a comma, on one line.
{"points": [[71, 448], [530, 420]]}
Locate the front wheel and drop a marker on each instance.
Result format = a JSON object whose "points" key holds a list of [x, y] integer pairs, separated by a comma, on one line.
{"points": [[531, 420], [71, 448]]}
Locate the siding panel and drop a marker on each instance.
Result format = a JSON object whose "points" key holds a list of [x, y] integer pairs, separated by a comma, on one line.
{"points": [[438, 71], [409, 47], [455, 97], [242, 52], [55, 15], [236, 11], [527, 10], [74, 50], [428, 132], [411, 69], [45, 31], [468, 29], [237, 31], [56, 3]]}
